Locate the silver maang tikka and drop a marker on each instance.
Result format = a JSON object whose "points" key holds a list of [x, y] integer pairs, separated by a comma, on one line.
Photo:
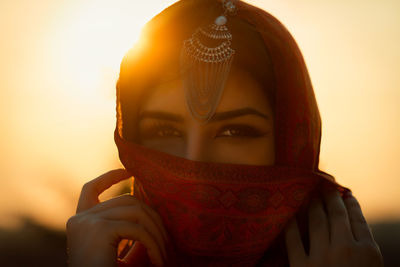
{"points": [[206, 61]]}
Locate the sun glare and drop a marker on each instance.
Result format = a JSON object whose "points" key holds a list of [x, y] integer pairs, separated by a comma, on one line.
{"points": [[95, 36], [70, 70]]}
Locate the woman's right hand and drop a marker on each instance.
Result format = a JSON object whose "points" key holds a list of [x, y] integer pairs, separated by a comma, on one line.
{"points": [[93, 234], [338, 232]]}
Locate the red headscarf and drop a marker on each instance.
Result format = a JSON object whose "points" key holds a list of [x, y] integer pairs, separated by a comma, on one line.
{"points": [[228, 214]]}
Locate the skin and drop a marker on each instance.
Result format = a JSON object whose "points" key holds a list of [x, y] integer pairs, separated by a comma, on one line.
{"points": [[241, 132], [339, 235]]}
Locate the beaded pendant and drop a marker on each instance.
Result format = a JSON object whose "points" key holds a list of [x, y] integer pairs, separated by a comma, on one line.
{"points": [[206, 60]]}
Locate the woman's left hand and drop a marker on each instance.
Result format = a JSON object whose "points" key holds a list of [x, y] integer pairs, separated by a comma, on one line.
{"points": [[339, 236]]}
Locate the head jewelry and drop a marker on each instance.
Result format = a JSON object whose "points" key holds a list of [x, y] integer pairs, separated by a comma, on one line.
{"points": [[206, 60]]}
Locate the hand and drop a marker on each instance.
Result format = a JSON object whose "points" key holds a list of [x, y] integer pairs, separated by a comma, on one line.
{"points": [[338, 237], [94, 232]]}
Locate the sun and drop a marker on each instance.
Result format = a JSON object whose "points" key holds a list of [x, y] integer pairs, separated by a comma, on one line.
{"points": [[95, 35]]}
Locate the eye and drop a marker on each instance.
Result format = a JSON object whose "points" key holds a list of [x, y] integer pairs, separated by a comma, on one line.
{"points": [[160, 130], [243, 131]]}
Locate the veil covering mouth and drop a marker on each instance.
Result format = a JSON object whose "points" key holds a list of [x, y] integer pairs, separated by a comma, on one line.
{"points": [[220, 214]]}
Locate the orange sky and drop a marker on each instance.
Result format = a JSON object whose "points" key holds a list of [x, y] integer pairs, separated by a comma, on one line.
{"points": [[59, 64]]}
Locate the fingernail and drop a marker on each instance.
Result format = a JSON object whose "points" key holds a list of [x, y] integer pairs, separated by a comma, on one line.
{"points": [[347, 194]]}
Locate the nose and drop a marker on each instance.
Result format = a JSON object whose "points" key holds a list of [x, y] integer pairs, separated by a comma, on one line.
{"points": [[196, 146]]}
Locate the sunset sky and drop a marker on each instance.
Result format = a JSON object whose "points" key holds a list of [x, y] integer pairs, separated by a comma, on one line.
{"points": [[59, 63]]}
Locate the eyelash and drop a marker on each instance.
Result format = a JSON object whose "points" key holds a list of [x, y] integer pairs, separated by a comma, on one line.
{"points": [[166, 130], [242, 131], [160, 130]]}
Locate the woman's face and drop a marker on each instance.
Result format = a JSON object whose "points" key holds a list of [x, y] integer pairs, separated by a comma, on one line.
{"points": [[240, 132]]}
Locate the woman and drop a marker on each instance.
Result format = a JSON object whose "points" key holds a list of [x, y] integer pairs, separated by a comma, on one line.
{"points": [[220, 128]]}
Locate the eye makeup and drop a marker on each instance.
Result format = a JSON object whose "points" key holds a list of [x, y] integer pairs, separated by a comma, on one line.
{"points": [[240, 131], [165, 129], [160, 129]]}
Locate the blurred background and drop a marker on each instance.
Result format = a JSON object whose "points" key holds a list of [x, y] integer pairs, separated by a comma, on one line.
{"points": [[59, 63]]}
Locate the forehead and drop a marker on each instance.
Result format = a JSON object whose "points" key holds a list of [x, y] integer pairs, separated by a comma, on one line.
{"points": [[241, 91]]}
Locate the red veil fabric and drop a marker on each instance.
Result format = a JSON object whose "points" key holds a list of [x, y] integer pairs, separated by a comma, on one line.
{"points": [[229, 214]]}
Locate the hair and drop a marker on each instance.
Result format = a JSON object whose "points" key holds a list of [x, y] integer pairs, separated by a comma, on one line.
{"points": [[155, 59]]}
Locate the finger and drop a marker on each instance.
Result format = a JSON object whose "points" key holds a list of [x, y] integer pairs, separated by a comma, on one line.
{"points": [[137, 255], [157, 219], [128, 200], [340, 230], [91, 190], [123, 247], [136, 215], [318, 228], [359, 225], [294, 245], [132, 231]]}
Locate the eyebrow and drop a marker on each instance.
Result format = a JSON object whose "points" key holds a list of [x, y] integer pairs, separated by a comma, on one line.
{"points": [[161, 115]]}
